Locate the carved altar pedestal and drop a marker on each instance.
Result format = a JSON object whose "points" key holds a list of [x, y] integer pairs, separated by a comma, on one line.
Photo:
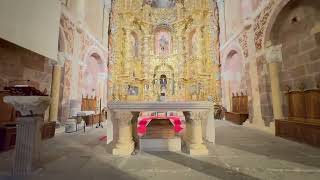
{"points": [[27, 151], [195, 112], [125, 144], [193, 138]]}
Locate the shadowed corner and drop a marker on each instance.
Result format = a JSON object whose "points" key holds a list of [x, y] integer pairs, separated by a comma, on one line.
{"points": [[203, 167]]}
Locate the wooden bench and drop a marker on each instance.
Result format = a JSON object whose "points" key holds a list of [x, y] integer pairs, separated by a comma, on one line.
{"points": [[239, 112], [303, 122]]}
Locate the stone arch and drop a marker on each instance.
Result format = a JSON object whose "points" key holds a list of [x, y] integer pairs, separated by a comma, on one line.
{"points": [[97, 52], [232, 72], [235, 47], [272, 19], [94, 74], [299, 62]]}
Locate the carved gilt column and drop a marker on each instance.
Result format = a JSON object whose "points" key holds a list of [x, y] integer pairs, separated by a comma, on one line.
{"points": [[274, 58], [125, 144], [194, 133]]}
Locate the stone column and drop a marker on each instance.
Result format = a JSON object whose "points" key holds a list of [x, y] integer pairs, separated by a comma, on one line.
{"points": [[128, 52], [27, 150], [106, 17], [194, 133], [274, 59], [55, 88], [210, 128], [81, 10], [221, 8], [125, 144]]}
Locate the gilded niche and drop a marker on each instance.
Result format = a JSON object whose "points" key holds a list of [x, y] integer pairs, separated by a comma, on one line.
{"points": [[164, 50]]}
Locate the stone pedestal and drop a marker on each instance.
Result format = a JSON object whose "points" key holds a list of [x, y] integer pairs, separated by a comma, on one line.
{"points": [[194, 133], [124, 145], [27, 151]]}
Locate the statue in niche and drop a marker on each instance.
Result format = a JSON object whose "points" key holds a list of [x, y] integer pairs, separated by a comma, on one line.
{"points": [[196, 41], [161, 3], [133, 45], [133, 91], [163, 84], [164, 44]]}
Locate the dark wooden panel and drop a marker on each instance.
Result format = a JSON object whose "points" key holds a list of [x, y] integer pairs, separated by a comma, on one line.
{"points": [[239, 112], [237, 118], [7, 137], [304, 132], [296, 103], [243, 104], [160, 129], [312, 100], [7, 112], [48, 130]]}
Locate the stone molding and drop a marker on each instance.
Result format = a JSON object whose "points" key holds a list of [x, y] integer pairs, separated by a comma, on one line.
{"points": [[161, 106]]}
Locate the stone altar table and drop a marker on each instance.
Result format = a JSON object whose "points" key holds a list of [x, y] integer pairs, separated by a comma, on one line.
{"points": [[27, 151], [121, 114]]}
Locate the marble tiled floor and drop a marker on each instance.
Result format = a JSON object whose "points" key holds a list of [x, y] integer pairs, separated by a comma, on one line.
{"points": [[240, 153]]}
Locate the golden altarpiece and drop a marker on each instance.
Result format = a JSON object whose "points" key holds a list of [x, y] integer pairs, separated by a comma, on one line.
{"points": [[169, 51]]}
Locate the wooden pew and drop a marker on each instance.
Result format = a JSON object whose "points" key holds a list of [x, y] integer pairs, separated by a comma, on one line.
{"points": [[239, 112], [303, 122]]}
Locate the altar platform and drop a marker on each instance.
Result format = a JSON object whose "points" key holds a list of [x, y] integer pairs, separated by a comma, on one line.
{"points": [[199, 123]]}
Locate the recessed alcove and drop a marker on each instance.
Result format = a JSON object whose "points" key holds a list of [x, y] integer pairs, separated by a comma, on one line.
{"points": [[161, 3]]}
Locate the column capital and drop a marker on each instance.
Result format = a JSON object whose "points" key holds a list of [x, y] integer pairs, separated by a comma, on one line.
{"points": [[124, 118], [29, 105], [274, 54], [195, 116], [61, 58], [220, 2]]}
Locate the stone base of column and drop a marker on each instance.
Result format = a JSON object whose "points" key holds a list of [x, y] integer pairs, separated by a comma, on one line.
{"points": [[197, 150], [27, 150], [123, 149], [28, 140]]}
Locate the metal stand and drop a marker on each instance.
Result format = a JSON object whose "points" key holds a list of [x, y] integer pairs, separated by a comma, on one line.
{"points": [[100, 125]]}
